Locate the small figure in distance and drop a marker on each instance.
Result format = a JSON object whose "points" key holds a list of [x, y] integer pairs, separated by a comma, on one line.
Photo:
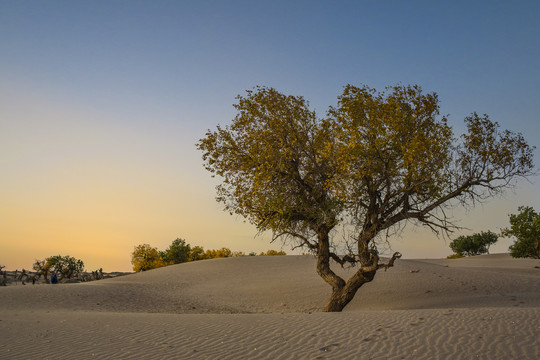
{"points": [[54, 278]]}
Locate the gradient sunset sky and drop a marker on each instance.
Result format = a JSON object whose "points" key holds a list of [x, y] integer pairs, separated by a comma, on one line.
{"points": [[102, 102]]}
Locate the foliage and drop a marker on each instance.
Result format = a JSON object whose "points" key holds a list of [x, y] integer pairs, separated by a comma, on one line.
{"points": [[377, 161], [178, 252], [66, 267], [144, 257], [197, 253], [525, 227], [272, 253], [455, 256], [219, 253], [474, 244], [42, 267]]}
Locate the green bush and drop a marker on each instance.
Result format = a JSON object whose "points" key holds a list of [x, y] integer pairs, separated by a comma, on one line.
{"points": [[525, 227], [474, 244], [178, 252]]}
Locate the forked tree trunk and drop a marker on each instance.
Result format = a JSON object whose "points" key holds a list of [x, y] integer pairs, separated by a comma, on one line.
{"points": [[341, 296], [342, 292], [338, 300]]}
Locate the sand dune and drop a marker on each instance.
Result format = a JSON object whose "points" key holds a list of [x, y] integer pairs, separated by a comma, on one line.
{"points": [[484, 307]]}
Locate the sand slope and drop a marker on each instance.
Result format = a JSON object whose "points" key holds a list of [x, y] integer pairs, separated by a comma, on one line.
{"points": [[269, 307]]}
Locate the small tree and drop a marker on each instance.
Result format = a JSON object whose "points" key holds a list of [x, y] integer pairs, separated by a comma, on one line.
{"points": [[66, 267], [525, 227], [178, 252], [197, 253], [144, 257], [377, 161], [42, 267], [474, 244]]}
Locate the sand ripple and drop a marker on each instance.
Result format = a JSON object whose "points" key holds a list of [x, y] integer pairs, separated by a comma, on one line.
{"points": [[399, 334]]}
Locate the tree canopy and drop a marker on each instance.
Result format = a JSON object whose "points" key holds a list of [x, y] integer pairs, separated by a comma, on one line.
{"points": [[475, 244], [66, 266], [145, 257], [525, 227], [178, 252], [376, 161]]}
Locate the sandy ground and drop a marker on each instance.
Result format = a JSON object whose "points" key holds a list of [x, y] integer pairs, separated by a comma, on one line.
{"points": [[486, 307]]}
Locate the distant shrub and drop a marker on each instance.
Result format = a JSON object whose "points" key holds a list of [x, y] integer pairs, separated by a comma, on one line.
{"points": [[455, 256], [272, 253], [42, 267], [196, 253], [178, 252], [144, 257], [218, 253], [66, 267], [474, 244]]}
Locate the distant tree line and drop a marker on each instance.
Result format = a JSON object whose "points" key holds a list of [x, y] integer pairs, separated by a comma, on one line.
{"points": [[145, 257]]}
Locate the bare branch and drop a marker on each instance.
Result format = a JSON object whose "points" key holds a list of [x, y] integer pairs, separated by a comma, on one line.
{"points": [[390, 262]]}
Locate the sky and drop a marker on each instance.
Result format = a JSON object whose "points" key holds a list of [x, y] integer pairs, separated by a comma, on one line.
{"points": [[102, 103]]}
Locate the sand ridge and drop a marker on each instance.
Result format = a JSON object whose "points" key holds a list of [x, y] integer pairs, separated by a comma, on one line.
{"points": [[287, 284]]}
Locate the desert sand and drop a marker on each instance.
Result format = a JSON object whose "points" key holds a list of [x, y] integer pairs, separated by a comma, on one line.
{"points": [[484, 307]]}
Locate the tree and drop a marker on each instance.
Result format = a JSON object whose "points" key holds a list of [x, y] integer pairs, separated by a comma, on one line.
{"points": [[197, 253], [474, 244], [178, 252], [377, 161], [66, 267], [525, 227], [144, 257], [42, 267]]}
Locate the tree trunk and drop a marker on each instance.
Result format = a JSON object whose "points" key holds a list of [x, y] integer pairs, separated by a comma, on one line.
{"points": [[342, 292], [341, 296], [338, 300]]}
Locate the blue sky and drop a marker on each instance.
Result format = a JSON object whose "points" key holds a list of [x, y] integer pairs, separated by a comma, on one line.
{"points": [[101, 104]]}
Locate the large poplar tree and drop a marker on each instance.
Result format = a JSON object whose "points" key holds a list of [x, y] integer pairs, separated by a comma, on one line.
{"points": [[376, 161]]}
